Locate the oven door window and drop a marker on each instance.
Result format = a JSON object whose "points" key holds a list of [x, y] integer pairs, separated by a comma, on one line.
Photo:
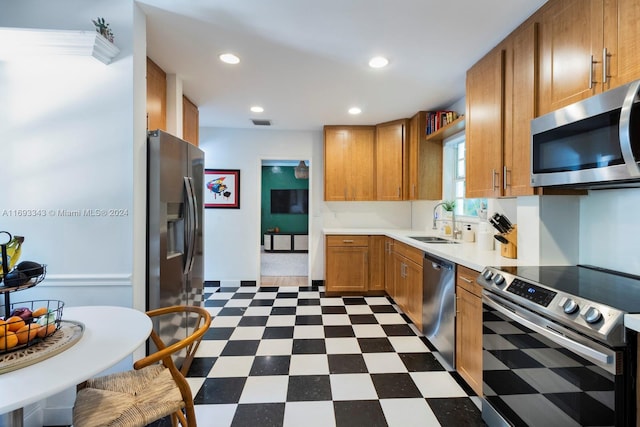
{"points": [[532, 381], [586, 144]]}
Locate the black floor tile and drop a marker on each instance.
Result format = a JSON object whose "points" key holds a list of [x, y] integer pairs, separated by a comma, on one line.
{"points": [[308, 301], [253, 321], [333, 309], [363, 319], [215, 302], [398, 330], [420, 362], [268, 289], [232, 311], [200, 366], [259, 414], [240, 348], [515, 359], [243, 295], [309, 346], [460, 411], [347, 364], [220, 390], [248, 283], [228, 289], [397, 385], [585, 378], [428, 344], [309, 388], [285, 311], [218, 333], [270, 365], [383, 309], [339, 331], [277, 332], [359, 413], [583, 408], [375, 345], [354, 301], [308, 320], [506, 382], [261, 303], [282, 295]]}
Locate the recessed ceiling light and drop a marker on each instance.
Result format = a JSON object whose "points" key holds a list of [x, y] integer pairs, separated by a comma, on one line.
{"points": [[229, 58], [378, 62], [355, 110], [257, 109]]}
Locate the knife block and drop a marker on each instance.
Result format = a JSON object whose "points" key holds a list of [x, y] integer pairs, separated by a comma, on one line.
{"points": [[510, 250]]}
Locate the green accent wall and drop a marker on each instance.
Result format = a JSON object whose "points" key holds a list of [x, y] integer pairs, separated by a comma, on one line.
{"points": [[281, 178]]}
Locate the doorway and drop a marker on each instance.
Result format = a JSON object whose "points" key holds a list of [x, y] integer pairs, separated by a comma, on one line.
{"points": [[284, 223]]}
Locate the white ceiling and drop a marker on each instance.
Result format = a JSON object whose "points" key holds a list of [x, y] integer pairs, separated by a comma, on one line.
{"points": [[306, 61]]}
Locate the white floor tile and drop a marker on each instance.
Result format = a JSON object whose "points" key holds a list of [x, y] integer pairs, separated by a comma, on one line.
{"points": [[265, 295], [369, 331], [378, 363], [247, 333], [210, 348], [257, 311], [221, 295], [215, 415], [213, 311], [281, 320], [231, 366], [238, 303], [265, 389], [309, 310], [342, 346], [277, 347], [335, 301], [247, 290], [437, 384], [225, 321], [358, 309], [335, 319], [230, 283], [194, 384], [352, 387], [408, 413], [309, 414], [389, 319], [286, 302], [408, 344], [308, 294], [288, 289], [308, 331], [309, 364], [377, 300]]}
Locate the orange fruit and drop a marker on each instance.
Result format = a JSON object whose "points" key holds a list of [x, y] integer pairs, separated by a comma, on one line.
{"points": [[39, 312], [46, 330], [27, 333], [3, 328], [10, 340], [14, 323]]}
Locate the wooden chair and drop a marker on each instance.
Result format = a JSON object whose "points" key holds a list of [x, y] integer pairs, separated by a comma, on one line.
{"points": [[154, 389]]}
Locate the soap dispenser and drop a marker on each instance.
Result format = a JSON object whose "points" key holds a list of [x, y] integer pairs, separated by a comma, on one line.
{"points": [[468, 235]]}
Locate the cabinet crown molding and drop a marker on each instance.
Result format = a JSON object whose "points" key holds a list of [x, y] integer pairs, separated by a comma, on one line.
{"points": [[17, 42]]}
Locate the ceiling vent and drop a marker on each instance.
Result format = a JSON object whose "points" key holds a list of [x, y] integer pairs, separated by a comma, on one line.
{"points": [[261, 122]]}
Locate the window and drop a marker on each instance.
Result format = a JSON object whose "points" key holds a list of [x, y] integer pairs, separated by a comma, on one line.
{"points": [[454, 184]]}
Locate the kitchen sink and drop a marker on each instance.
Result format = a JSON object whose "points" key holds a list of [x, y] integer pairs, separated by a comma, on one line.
{"points": [[433, 239]]}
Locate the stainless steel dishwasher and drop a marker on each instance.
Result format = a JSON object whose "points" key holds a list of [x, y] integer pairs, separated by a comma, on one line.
{"points": [[439, 305]]}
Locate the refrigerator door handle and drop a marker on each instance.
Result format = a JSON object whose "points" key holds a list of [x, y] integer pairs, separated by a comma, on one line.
{"points": [[191, 221]]}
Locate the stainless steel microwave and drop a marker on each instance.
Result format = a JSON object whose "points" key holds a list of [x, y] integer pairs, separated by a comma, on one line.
{"points": [[592, 143]]}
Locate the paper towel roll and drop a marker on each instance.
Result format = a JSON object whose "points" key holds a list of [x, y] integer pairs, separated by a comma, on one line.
{"points": [[485, 241]]}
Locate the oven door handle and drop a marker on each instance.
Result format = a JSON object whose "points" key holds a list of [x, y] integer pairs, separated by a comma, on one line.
{"points": [[572, 345]]}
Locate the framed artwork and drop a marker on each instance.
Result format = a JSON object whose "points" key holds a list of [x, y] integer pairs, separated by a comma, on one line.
{"points": [[222, 188]]}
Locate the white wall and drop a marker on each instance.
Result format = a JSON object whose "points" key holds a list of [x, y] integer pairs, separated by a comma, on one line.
{"points": [[67, 126]]}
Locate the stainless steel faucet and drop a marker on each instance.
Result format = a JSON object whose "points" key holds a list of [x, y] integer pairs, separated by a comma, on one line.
{"points": [[453, 219]]}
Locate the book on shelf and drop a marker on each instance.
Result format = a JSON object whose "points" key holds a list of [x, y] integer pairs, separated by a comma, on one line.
{"points": [[438, 119]]}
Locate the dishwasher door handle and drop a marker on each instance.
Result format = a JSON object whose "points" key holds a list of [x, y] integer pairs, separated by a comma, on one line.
{"points": [[438, 264]]}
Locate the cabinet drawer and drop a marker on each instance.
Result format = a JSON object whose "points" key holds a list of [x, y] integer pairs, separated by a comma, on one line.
{"points": [[409, 252], [345, 240], [467, 280]]}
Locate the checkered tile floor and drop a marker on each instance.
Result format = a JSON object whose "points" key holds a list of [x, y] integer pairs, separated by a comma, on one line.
{"points": [[293, 357]]}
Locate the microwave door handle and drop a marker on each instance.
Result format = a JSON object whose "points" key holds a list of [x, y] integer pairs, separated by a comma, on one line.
{"points": [[624, 130]]}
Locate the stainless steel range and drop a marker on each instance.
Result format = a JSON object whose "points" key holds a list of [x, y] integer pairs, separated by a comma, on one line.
{"points": [[555, 350]]}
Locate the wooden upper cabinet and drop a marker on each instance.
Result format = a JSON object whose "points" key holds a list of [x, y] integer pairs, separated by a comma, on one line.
{"points": [[391, 158], [622, 41], [521, 63], [190, 121], [349, 163], [156, 97], [425, 162], [579, 38], [484, 132]]}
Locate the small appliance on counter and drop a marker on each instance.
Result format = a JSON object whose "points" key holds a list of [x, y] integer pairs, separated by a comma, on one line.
{"points": [[508, 235]]}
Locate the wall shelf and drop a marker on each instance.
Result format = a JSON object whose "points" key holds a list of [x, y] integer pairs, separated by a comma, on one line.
{"points": [[446, 131], [17, 42]]}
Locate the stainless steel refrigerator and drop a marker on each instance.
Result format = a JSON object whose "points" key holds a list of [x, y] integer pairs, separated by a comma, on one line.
{"points": [[175, 271]]}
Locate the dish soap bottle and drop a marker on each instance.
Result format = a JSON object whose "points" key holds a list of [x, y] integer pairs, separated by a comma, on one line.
{"points": [[13, 250], [468, 235]]}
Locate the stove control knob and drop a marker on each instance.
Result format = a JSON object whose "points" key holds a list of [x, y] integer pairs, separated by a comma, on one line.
{"points": [[487, 274], [498, 279], [570, 306], [592, 315]]}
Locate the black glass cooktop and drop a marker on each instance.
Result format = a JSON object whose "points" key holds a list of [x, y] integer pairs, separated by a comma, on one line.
{"points": [[617, 290]]}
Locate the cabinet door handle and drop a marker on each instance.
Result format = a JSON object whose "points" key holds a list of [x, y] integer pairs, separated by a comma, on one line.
{"points": [[399, 191], [465, 279], [605, 65], [347, 241], [504, 178], [494, 173], [414, 190], [591, 82]]}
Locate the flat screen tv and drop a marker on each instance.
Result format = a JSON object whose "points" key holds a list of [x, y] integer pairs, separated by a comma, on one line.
{"points": [[294, 201]]}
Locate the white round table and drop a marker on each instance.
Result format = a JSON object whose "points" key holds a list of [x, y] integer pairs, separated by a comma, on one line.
{"points": [[110, 335]]}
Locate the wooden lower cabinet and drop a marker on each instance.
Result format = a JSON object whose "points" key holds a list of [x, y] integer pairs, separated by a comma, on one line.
{"points": [[354, 264], [469, 328], [407, 278], [389, 282]]}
